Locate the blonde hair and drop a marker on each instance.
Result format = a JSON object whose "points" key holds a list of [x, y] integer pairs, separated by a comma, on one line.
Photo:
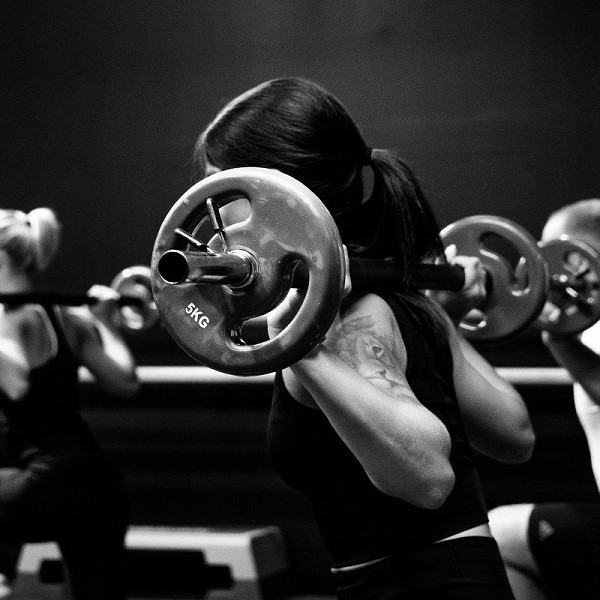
{"points": [[30, 239]]}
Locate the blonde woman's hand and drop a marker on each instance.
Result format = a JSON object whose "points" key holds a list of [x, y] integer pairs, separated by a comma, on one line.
{"points": [[106, 306]]}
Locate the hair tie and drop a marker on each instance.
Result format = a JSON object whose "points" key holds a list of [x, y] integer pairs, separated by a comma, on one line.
{"points": [[367, 155]]}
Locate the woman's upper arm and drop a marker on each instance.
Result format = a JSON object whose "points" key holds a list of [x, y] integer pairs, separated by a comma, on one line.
{"points": [[369, 340], [494, 414], [82, 335], [27, 341], [14, 369], [114, 373], [357, 378]]}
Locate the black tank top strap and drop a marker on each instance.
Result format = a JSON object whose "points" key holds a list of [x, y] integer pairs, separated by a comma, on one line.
{"points": [[63, 366], [58, 324]]}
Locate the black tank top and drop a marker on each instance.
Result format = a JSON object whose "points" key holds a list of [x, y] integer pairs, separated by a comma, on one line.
{"points": [[358, 522], [45, 425]]}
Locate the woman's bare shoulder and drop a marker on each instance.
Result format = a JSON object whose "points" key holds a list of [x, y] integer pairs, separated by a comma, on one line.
{"points": [[369, 322], [369, 304]]}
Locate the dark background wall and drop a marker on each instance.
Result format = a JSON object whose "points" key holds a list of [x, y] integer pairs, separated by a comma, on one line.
{"points": [[494, 103]]}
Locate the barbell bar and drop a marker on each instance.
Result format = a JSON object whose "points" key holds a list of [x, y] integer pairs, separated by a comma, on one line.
{"points": [[60, 298], [136, 307], [239, 270]]}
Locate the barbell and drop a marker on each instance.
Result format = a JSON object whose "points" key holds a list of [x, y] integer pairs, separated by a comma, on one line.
{"points": [[136, 309], [210, 279], [565, 300]]}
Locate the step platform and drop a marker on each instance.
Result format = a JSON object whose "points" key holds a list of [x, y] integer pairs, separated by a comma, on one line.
{"points": [[177, 562]]}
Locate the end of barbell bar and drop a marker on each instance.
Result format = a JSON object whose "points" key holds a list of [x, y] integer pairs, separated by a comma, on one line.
{"points": [[237, 268], [173, 266]]}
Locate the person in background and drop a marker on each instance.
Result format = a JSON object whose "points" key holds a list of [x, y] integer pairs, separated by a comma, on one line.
{"points": [[60, 484], [377, 424], [552, 549]]}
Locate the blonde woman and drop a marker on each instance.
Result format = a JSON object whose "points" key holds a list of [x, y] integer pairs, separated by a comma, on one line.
{"points": [[61, 486]]}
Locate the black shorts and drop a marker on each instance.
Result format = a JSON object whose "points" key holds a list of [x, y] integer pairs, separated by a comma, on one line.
{"points": [[565, 541], [468, 568]]}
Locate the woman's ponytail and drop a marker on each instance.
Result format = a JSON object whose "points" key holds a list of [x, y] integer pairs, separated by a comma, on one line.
{"points": [[30, 239]]}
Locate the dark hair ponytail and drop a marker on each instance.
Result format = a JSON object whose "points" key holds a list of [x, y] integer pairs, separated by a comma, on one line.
{"points": [[395, 221], [396, 216]]}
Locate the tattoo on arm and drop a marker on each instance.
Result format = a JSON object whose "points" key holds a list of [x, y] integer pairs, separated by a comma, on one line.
{"points": [[372, 353]]}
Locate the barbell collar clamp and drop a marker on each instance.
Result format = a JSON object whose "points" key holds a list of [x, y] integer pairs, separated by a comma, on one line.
{"points": [[200, 246], [237, 268]]}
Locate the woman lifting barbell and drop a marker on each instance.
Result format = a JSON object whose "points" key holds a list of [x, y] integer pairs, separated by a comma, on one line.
{"points": [[552, 549], [377, 423], [62, 486]]}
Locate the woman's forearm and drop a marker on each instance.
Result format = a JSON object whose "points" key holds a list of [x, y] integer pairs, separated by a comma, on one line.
{"points": [[403, 447]]}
